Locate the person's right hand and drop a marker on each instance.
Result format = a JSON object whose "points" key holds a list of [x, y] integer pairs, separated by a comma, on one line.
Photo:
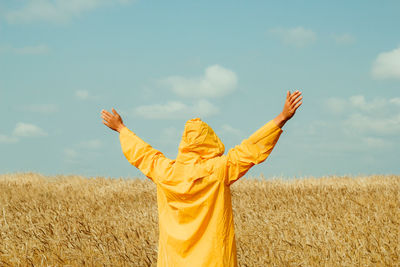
{"points": [[113, 121], [291, 104]]}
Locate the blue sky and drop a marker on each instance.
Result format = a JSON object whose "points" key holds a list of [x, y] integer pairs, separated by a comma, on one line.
{"points": [[160, 63]]}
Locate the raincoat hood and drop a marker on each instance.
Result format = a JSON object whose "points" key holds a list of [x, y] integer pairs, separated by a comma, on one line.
{"points": [[198, 142]]}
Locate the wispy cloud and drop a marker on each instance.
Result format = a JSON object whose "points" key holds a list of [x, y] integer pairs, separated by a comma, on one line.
{"points": [[359, 103], [25, 50], [58, 11], [82, 151], [40, 108], [28, 130], [22, 130], [85, 95], [378, 116], [335, 104], [344, 39], [387, 65], [226, 128], [70, 154], [82, 94], [91, 144], [395, 101], [171, 133], [176, 110], [217, 81], [169, 136], [368, 124], [8, 139], [298, 36], [375, 142]]}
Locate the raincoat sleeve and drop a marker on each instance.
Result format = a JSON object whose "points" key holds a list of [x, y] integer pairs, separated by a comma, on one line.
{"points": [[148, 160], [251, 151]]}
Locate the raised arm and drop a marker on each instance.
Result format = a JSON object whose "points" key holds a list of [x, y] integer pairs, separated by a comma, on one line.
{"points": [[259, 145], [148, 160]]}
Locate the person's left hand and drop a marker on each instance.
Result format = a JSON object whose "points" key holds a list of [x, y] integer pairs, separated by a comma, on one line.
{"points": [[113, 121]]}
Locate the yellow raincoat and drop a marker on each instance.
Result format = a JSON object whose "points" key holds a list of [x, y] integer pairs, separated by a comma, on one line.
{"points": [[193, 194]]}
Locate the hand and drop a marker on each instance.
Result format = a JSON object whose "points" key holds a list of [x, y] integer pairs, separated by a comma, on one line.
{"points": [[291, 104], [290, 107], [113, 121]]}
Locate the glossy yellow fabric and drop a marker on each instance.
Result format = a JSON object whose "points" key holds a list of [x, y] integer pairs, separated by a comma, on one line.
{"points": [[193, 191]]}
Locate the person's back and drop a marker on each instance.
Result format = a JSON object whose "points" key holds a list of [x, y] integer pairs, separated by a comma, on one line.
{"points": [[193, 191]]}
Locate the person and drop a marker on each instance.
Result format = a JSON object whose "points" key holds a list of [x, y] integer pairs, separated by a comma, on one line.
{"points": [[196, 226]]}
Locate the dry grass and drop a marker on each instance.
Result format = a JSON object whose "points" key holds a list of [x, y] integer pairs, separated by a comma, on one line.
{"points": [[75, 221]]}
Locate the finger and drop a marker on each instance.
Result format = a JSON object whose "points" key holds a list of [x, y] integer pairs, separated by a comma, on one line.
{"points": [[114, 111], [107, 115], [294, 96], [108, 119], [296, 101], [298, 105], [287, 94], [107, 123], [294, 93], [105, 112]]}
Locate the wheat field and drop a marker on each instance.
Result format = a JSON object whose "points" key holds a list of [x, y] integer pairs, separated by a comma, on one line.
{"points": [[80, 221]]}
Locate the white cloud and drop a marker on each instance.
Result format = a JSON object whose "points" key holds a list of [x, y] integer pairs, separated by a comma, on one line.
{"points": [[367, 124], [70, 153], [82, 94], [177, 110], [170, 137], [379, 116], [54, 10], [171, 109], [41, 108], [344, 39], [22, 130], [28, 130], [83, 151], [91, 144], [86, 95], [375, 142], [358, 102], [297, 36], [216, 82], [171, 133], [387, 65], [204, 108], [25, 50], [226, 128], [336, 105], [8, 139], [315, 127], [395, 101]]}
